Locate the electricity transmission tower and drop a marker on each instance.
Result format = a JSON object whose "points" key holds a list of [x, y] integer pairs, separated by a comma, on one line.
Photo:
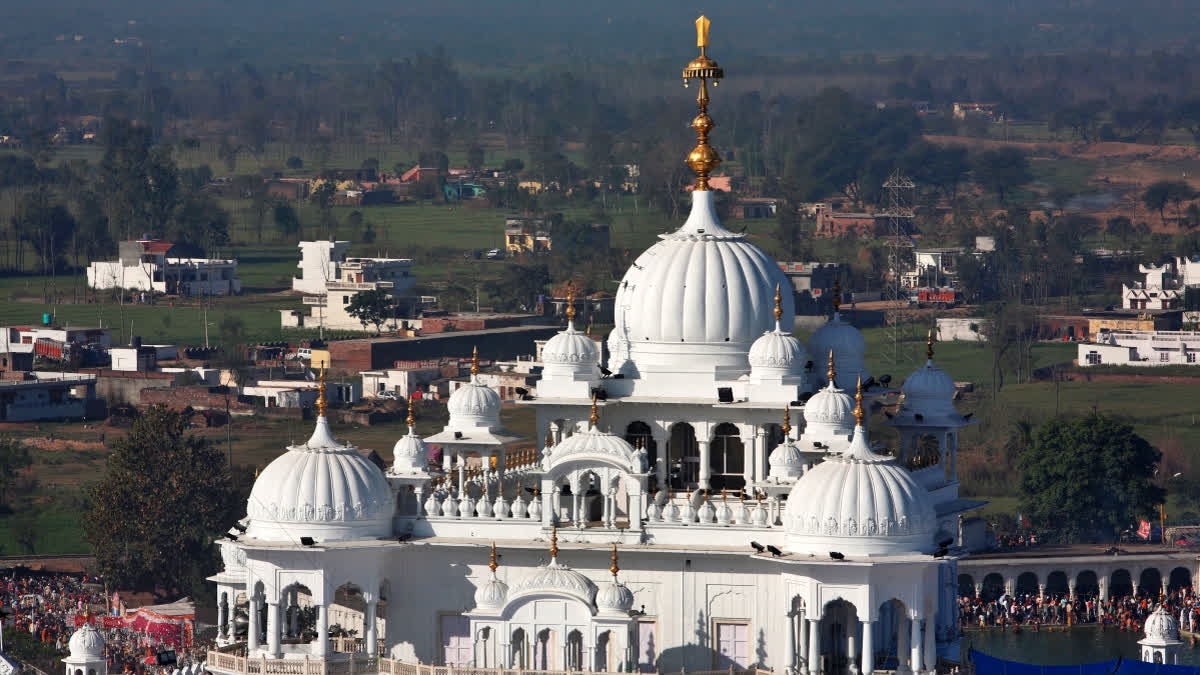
{"points": [[899, 214]]}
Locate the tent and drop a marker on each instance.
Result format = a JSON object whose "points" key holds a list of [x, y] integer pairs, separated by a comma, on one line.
{"points": [[170, 624]]}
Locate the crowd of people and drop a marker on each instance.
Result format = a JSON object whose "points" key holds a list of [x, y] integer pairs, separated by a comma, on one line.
{"points": [[47, 606], [1031, 611]]}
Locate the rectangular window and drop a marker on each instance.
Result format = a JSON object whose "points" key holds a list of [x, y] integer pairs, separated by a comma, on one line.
{"points": [[1191, 357], [647, 647], [1163, 357], [456, 641], [1093, 358], [345, 299], [733, 645]]}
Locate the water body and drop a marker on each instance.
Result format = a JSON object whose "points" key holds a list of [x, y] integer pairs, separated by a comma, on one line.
{"points": [[1081, 644]]}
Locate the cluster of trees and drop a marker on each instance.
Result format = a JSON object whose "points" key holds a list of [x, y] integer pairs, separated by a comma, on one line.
{"points": [[1143, 121]]}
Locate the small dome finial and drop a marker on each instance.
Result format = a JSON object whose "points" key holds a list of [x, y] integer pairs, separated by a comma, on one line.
{"points": [[703, 159], [837, 294], [787, 423], [858, 398], [594, 418], [613, 567], [549, 442], [474, 361], [832, 372], [322, 404], [554, 543], [929, 346], [570, 302], [412, 417], [778, 307], [492, 564]]}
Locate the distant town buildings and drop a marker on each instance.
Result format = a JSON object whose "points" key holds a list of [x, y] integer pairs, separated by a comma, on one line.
{"points": [[49, 396], [148, 265], [1164, 287], [329, 279], [1141, 348]]}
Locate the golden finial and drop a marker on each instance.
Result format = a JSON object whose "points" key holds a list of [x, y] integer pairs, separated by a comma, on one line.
{"points": [[594, 418], [492, 564], [475, 361], [723, 496], [553, 543], [412, 417], [570, 301], [832, 373], [703, 159], [837, 294], [778, 306], [929, 346], [613, 567], [549, 442], [787, 423], [321, 403], [858, 409]]}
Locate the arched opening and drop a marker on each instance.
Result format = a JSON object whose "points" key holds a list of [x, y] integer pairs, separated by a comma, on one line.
{"points": [[890, 631], [1150, 583], [1087, 585], [1057, 584], [223, 615], [518, 650], [1178, 579], [993, 587], [926, 451], [640, 434], [683, 465], [1158, 657], [574, 653], [601, 652], [839, 636], [726, 458], [1121, 584], [299, 616], [1027, 584], [542, 650], [966, 586]]}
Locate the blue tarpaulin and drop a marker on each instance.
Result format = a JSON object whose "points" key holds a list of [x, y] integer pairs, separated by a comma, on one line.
{"points": [[990, 665]]}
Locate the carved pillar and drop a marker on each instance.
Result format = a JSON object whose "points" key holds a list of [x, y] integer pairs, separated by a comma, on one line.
{"points": [[705, 466], [273, 629], [867, 662]]}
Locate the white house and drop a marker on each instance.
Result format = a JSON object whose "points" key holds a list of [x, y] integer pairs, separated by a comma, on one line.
{"points": [[47, 396], [144, 265], [400, 381], [330, 279], [1140, 348]]}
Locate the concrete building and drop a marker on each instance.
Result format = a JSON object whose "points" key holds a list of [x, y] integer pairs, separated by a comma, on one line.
{"points": [[147, 265], [812, 285], [329, 279], [933, 267], [1163, 288], [141, 358], [49, 396], [527, 234], [1141, 348], [402, 382], [301, 393]]}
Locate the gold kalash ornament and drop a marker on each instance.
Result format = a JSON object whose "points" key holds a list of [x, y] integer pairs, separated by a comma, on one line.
{"points": [[703, 159]]}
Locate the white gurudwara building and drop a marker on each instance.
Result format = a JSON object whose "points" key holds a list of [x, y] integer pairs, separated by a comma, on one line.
{"points": [[669, 521]]}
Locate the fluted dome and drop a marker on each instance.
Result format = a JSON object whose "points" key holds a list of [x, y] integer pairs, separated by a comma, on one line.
{"points": [[322, 489], [492, 594], [410, 454], [787, 462], [847, 344], [929, 391], [556, 579], [696, 301], [1161, 627], [859, 503], [594, 444], [830, 407], [571, 348], [777, 352], [614, 597], [474, 405], [86, 644]]}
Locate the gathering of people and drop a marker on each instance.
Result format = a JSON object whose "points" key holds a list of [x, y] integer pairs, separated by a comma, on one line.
{"points": [[1032, 611]]}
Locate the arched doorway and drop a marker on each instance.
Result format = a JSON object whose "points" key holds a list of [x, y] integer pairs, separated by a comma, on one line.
{"points": [[518, 650], [574, 653], [1087, 585], [993, 587], [641, 435], [683, 452], [726, 458], [966, 586], [1150, 583], [1057, 584], [1120, 585], [1027, 584], [891, 634], [840, 639], [1178, 579]]}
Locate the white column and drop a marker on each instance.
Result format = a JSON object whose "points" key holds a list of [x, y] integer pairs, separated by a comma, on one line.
{"points": [[369, 636], [660, 462], [930, 657], [867, 665], [273, 629], [800, 628], [851, 646], [760, 454], [462, 475], [791, 642], [251, 626], [814, 647], [748, 457], [902, 645], [1103, 580], [705, 468], [322, 642], [914, 644]]}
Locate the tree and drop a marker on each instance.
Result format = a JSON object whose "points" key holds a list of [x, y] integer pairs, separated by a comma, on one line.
{"points": [[513, 165], [475, 157], [371, 307], [1002, 171], [519, 285], [294, 163], [286, 220], [14, 458], [164, 496], [1083, 119], [1088, 477], [1159, 194]]}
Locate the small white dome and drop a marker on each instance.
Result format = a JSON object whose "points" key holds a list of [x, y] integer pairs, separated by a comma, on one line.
{"points": [[929, 391], [777, 352], [492, 594], [847, 344], [233, 557], [556, 579], [571, 348], [830, 407], [321, 489], [614, 597], [86, 644], [595, 444], [474, 405], [787, 462], [1161, 627], [859, 503], [410, 454]]}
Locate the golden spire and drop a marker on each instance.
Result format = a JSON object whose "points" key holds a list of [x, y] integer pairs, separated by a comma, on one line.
{"points": [[554, 543], [832, 372], [594, 418], [837, 294], [858, 409], [787, 423], [929, 346], [321, 403], [412, 417], [703, 159], [549, 442], [474, 361], [778, 307], [570, 302], [613, 567], [492, 564]]}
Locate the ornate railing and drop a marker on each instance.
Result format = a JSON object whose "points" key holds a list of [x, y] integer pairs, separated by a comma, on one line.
{"points": [[393, 667], [260, 665]]}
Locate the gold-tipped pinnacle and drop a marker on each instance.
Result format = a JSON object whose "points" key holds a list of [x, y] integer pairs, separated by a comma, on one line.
{"points": [[832, 372], [787, 423], [613, 567], [322, 404], [594, 418], [553, 542], [929, 346], [570, 301], [858, 399], [703, 159], [778, 305], [475, 361], [492, 564]]}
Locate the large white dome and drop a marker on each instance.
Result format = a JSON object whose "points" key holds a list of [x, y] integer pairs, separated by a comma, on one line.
{"points": [[321, 489], [859, 503], [695, 301]]}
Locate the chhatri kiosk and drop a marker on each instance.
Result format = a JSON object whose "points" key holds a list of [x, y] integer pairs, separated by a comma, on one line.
{"points": [[671, 521]]}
